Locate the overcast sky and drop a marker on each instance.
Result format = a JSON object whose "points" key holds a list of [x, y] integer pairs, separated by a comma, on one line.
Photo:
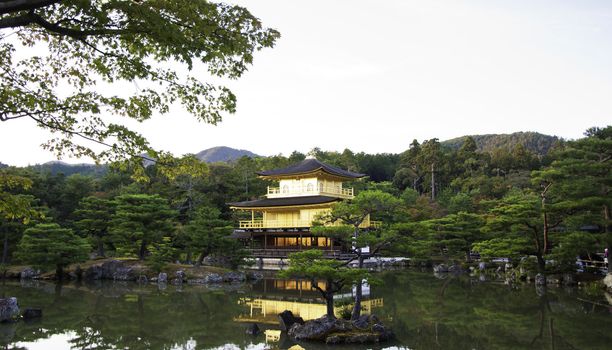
{"points": [[374, 75]]}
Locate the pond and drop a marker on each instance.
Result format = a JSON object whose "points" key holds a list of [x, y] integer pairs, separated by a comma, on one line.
{"points": [[424, 311]]}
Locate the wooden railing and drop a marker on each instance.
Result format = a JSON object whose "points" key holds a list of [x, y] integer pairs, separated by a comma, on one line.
{"points": [[260, 223], [284, 252], [336, 191]]}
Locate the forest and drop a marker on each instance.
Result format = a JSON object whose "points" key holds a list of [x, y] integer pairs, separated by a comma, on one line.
{"points": [[540, 204]]}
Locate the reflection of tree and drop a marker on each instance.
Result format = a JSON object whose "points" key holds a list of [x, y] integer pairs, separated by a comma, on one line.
{"points": [[466, 315], [488, 316], [130, 316]]}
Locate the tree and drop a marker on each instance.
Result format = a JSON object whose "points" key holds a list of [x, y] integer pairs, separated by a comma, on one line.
{"points": [[149, 44], [14, 206], [93, 219], [520, 223], [209, 234], [140, 220], [451, 236], [49, 245], [352, 214], [311, 265], [581, 178]]}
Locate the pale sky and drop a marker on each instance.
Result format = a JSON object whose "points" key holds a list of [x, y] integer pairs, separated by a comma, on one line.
{"points": [[374, 75]]}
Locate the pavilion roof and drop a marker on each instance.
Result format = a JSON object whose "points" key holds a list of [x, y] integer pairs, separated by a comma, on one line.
{"points": [[310, 165], [284, 202]]}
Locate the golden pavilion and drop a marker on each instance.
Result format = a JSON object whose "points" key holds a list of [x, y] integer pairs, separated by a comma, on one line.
{"points": [[280, 223]]}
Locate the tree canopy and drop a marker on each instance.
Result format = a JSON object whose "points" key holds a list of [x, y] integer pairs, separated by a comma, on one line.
{"points": [[71, 65]]}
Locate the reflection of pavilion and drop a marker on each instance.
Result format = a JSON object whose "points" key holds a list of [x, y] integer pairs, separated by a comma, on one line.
{"points": [[299, 297], [267, 310]]}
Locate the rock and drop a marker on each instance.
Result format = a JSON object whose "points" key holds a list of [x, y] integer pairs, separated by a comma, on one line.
{"points": [[253, 329], [540, 279], [28, 273], [440, 268], [362, 322], [455, 269], [383, 332], [361, 338], [142, 279], [77, 274], [317, 329], [162, 277], [608, 282], [234, 277], [333, 339], [180, 277], [110, 270], [335, 331], [482, 265], [213, 278], [286, 320], [9, 309], [124, 274], [30, 313]]}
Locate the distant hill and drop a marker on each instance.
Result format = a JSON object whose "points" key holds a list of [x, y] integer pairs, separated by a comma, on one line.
{"points": [[56, 167], [223, 154], [533, 141], [2, 165]]}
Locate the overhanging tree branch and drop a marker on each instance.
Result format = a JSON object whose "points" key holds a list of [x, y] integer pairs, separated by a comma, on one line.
{"points": [[12, 6]]}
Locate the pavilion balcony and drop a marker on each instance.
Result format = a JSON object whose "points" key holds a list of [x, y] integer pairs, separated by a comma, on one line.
{"points": [[270, 224], [321, 190]]}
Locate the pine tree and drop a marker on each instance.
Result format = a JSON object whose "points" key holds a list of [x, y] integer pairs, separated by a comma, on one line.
{"points": [[49, 245], [140, 220], [311, 265], [209, 234], [93, 219]]}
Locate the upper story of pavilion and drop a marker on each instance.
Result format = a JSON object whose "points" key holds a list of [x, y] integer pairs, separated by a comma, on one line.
{"points": [[310, 177], [305, 191]]}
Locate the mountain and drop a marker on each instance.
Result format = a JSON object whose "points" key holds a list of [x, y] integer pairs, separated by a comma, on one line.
{"points": [[537, 143], [223, 154], [56, 167], [2, 165]]}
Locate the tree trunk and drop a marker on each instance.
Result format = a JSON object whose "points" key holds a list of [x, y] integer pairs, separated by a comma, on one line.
{"points": [[100, 247], [545, 232], [5, 248], [59, 272], [358, 293], [329, 301], [143, 250], [541, 263], [606, 213], [433, 182]]}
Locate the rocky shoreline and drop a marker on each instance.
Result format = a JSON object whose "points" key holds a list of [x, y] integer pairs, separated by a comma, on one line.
{"points": [[120, 270], [367, 329]]}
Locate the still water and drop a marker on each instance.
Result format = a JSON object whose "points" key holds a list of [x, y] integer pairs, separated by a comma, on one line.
{"points": [[424, 311]]}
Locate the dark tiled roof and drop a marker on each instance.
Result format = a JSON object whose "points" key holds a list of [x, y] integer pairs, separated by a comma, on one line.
{"points": [[283, 202], [310, 165]]}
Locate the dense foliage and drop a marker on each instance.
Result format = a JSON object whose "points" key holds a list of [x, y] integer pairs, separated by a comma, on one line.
{"points": [[437, 203]]}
